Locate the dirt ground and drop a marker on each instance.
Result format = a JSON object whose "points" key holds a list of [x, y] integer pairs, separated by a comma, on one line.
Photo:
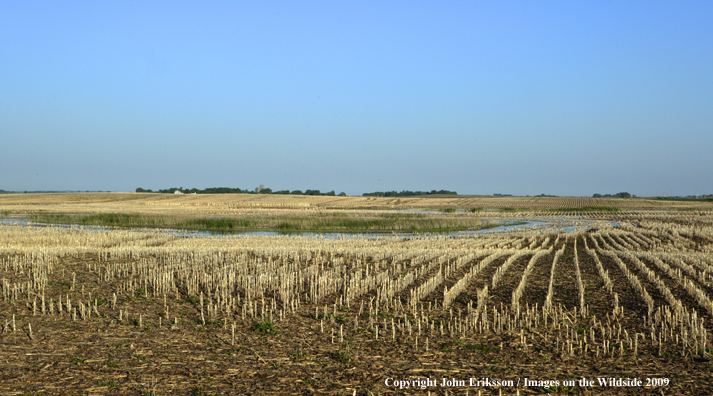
{"points": [[301, 355]]}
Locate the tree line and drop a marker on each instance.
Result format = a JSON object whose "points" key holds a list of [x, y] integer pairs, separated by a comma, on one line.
{"points": [[617, 195], [231, 190], [407, 193]]}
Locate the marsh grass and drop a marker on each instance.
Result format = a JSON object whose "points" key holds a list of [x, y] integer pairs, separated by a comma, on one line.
{"points": [[330, 222], [511, 210], [106, 219], [225, 223]]}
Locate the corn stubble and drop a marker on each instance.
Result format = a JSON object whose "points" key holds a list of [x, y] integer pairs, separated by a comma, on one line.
{"points": [[639, 291]]}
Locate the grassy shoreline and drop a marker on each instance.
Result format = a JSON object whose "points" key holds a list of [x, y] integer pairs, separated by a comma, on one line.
{"points": [[400, 222]]}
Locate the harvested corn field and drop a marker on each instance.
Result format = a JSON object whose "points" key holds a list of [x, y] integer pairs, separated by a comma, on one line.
{"points": [[535, 310]]}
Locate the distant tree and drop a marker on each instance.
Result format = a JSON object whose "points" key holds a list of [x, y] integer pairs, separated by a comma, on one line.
{"points": [[224, 190], [330, 194], [342, 194], [597, 196], [406, 193], [138, 190], [296, 192], [623, 195], [282, 192], [312, 192], [265, 191]]}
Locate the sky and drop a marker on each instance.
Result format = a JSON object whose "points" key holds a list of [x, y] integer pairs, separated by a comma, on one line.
{"points": [[513, 97]]}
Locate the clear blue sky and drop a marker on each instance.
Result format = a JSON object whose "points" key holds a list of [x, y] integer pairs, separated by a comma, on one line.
{"points": [[566, 98]]}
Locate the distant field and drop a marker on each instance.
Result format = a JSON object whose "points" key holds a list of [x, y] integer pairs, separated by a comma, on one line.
{"points": [[237, 204], [284, 213]]}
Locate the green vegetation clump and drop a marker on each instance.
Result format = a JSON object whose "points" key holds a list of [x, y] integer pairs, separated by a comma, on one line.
{"points": [[343, 357], [481, 348], [509, 209], [79, 360], [198, 391], [109, 384], [105, 219], [211, 223], [264, 326]]}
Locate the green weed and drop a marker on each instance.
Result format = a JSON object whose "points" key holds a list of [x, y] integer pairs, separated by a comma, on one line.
{"points": [[79, 360], [481, 348], [342, 357], [264, 326]]}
